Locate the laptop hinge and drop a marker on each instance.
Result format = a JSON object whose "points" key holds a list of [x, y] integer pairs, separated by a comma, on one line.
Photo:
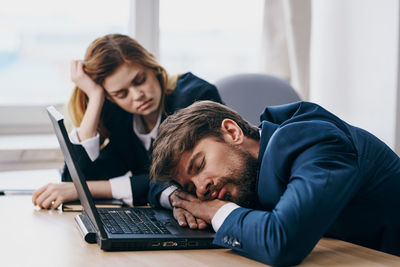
{"points": [[86, 228]]}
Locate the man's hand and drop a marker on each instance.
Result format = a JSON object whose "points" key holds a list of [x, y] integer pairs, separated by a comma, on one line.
{"points": [[204, 210], [53, 195], [183, 217]]}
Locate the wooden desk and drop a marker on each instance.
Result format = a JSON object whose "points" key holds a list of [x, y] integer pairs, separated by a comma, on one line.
{"points": [[33, 237]]}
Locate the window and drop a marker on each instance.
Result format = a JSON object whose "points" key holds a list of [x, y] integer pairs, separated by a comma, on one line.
{"points": [[39, 38], [211, 38]]}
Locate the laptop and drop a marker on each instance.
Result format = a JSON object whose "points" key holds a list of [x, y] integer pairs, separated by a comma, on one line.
{"points": [[115, 229]]}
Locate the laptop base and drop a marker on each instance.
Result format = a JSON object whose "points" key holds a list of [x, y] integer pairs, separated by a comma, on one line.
{"points": [[156, 244]]}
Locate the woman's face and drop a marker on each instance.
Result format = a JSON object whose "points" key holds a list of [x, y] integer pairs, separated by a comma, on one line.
{"points": [[135, 89]]}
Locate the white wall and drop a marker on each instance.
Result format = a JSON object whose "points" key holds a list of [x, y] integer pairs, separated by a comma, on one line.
{"points": [[354, 58]]}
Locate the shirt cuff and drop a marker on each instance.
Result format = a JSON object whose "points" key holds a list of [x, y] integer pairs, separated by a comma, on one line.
{"points": [[221, 215], [164, 197], [121, 188], [91, 145]]}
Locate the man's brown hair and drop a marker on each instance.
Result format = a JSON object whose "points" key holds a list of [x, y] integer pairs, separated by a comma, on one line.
{"points": [[181, 131]]}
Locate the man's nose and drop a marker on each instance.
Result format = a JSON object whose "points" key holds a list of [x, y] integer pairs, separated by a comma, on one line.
{"points": [[203, 187]]}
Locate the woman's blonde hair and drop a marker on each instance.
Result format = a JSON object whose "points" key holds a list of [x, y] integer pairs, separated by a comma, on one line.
{"points": [[102, 58]]}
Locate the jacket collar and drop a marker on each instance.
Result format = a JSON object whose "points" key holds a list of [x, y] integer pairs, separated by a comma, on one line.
{"points": [[267, 130]]}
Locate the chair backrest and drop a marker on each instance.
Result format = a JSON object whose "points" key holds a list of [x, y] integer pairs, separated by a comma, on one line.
{"points": [[250, 93]]}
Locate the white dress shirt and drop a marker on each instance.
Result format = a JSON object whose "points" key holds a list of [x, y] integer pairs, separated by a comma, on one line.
{"points": [[221, 215]]}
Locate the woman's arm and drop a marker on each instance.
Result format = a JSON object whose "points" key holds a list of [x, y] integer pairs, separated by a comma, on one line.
{"points": [[51, 196], [95, 93]]}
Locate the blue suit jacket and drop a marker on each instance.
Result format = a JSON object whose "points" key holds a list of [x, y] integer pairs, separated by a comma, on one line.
{"points": [[319, 176], [125, 152]]}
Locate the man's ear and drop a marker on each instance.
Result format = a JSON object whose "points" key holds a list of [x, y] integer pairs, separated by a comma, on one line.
{"points": [[231, 132]]}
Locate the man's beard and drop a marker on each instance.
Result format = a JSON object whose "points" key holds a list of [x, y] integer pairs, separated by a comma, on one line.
{"points": [[244, 178]]}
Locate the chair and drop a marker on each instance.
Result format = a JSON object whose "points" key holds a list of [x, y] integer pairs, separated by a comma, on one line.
{"points": [[250, 93]]}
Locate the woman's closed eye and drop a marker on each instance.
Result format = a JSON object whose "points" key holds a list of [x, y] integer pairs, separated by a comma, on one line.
{"points": [[121, 93], [139, 79]]}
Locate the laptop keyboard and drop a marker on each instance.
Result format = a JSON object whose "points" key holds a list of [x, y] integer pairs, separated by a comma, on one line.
{"points": [[131, 221]]}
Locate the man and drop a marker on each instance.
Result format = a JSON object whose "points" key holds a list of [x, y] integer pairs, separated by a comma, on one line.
{"points": [[271, 193]]}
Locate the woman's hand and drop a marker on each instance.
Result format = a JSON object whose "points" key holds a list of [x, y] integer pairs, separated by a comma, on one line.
{"points": [[84, 82], [51, 196]]}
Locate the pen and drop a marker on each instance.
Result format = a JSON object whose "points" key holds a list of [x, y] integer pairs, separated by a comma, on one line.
{"points": [[16, 192]]}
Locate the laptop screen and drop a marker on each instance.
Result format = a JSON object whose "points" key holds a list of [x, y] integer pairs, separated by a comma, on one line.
{"points": [[77, 176]]}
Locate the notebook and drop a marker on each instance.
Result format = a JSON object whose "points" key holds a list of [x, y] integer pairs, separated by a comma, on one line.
{"points": [[124, 228]]}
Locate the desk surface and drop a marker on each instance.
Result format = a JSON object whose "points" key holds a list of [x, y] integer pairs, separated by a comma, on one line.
{"points": [[33, 237]]}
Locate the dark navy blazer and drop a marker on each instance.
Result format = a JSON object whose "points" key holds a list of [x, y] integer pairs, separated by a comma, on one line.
{"points": [[319, 176], [125, 152]]}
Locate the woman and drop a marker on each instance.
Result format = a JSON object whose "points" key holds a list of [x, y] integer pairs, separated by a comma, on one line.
{"points": [[121, 96]]}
